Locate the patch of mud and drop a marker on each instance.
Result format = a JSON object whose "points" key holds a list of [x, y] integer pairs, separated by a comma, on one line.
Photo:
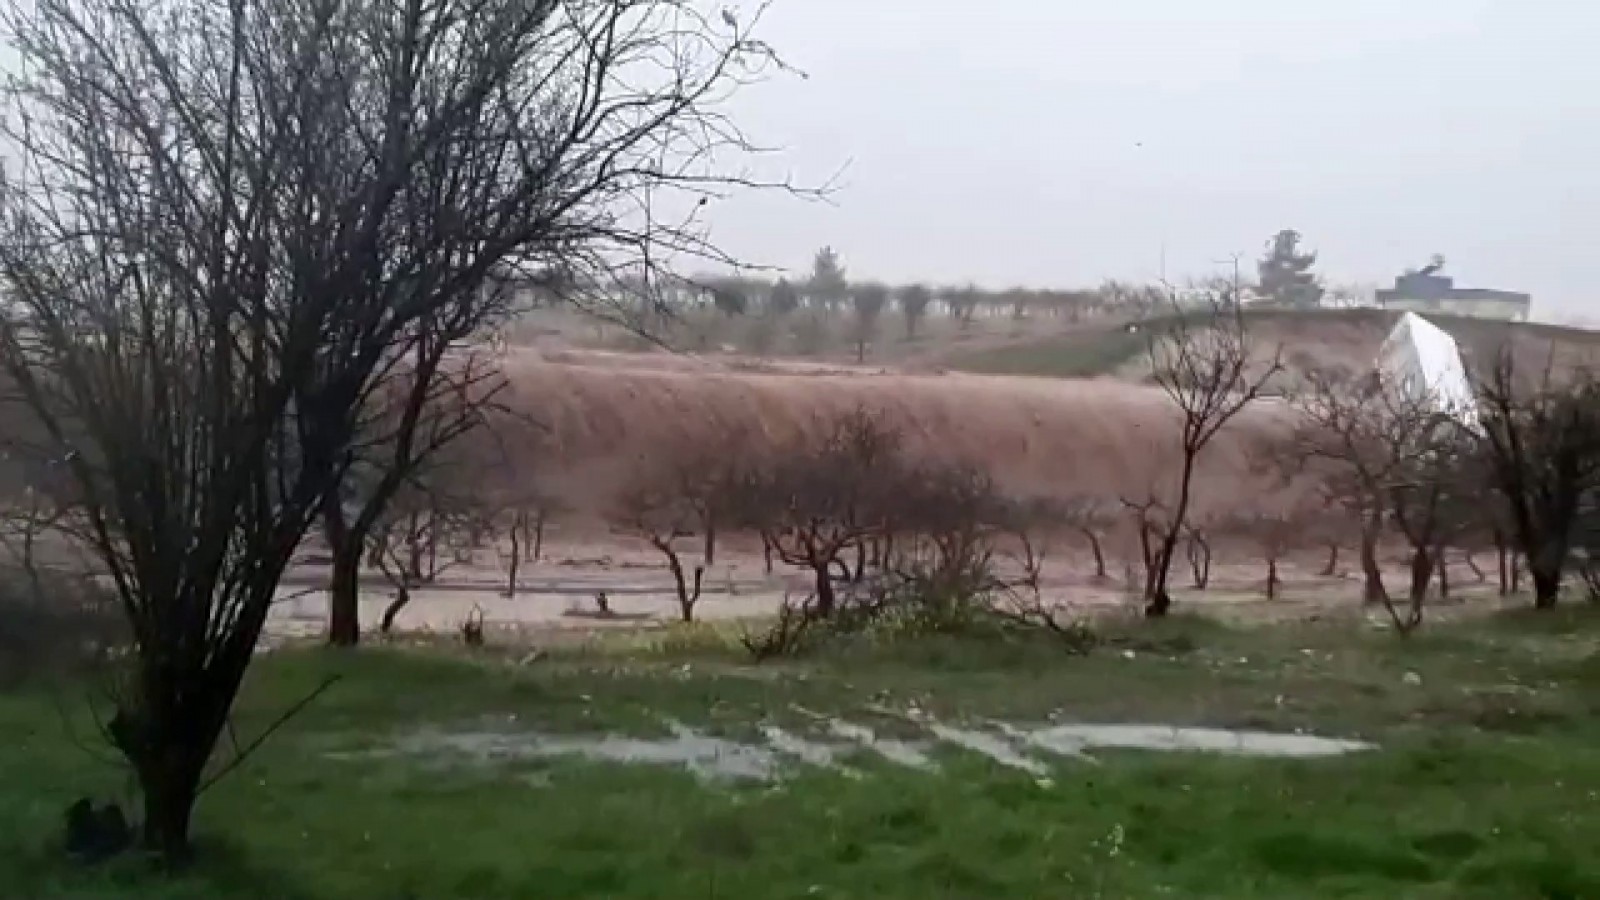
{"points": [[715, 759]]}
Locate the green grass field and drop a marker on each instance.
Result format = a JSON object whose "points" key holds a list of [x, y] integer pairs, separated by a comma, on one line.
{"points": [[1103, 351], [1075, 355], [1487, 784]]}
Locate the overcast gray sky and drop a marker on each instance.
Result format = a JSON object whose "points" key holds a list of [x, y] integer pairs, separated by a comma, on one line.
{"points": [[1060, 142]]}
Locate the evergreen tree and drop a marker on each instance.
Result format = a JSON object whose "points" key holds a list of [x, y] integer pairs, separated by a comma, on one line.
{"points": [[829, 285], [1285, 272]]}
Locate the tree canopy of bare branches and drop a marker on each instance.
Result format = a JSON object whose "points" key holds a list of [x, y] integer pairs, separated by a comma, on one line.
{"points": [[222, 226], [1208, 367], [833, 493], [1386, 454], [1541, 443]]}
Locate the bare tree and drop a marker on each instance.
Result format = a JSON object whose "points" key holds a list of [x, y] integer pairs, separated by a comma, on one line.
{"points": [[1208, 366], [406, 541], [826, 496], [1092, 518], [1274, 532], [1541, 441], [662, 517], [1432, 497], [438, 397], [529, 516], [223, 225], [1353, 439], [1389, 454], [690, 492]]}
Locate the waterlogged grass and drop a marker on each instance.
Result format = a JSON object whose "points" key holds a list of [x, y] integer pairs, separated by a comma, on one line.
{"points": [[1488, 783]]}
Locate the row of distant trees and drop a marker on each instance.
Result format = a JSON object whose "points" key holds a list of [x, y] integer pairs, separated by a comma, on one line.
{"points": [[828, 288], [1285, 279]]}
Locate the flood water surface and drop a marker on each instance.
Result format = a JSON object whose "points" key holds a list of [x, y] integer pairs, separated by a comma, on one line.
{"points": [[1027, 749]]}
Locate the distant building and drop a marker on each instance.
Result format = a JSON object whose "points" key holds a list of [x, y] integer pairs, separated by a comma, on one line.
{"points": [[1429, 292]]}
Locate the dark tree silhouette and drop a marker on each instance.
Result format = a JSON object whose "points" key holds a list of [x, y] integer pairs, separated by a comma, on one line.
{"points": [[1207, 365], [914, 300], [224, 226], [1541, 440], [730, 299], [869, 300], [784, 298], [1285, 272]]}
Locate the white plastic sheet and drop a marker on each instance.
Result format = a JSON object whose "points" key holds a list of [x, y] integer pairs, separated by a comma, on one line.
{"points": [[1424, 362]]}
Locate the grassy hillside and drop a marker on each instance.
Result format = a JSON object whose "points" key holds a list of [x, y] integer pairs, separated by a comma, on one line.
{"points": [[1309, 338]]}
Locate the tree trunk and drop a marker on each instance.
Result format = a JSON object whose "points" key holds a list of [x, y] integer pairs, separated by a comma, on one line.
{"points": [[710, 551], [517, 525], [1477, 571], [1099, 553], [1421, 574], [1272, 579], [167, 733], [538, 536], [1501, 561], [344, 585], [402, 596], [169, 794], [766, 552], [1332, 568], [1372, 590], [686, 600], [1160, 601], [1546, 588], [861, 562], [1442, 561], [694, 598], [1545, 567], [824, 591]]}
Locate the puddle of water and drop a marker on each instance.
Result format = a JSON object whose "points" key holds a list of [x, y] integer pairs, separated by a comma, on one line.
{"points": [[809, 752], [708, 757], [1075, 739], [988, 745], [717, 759], [898, 752]]}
